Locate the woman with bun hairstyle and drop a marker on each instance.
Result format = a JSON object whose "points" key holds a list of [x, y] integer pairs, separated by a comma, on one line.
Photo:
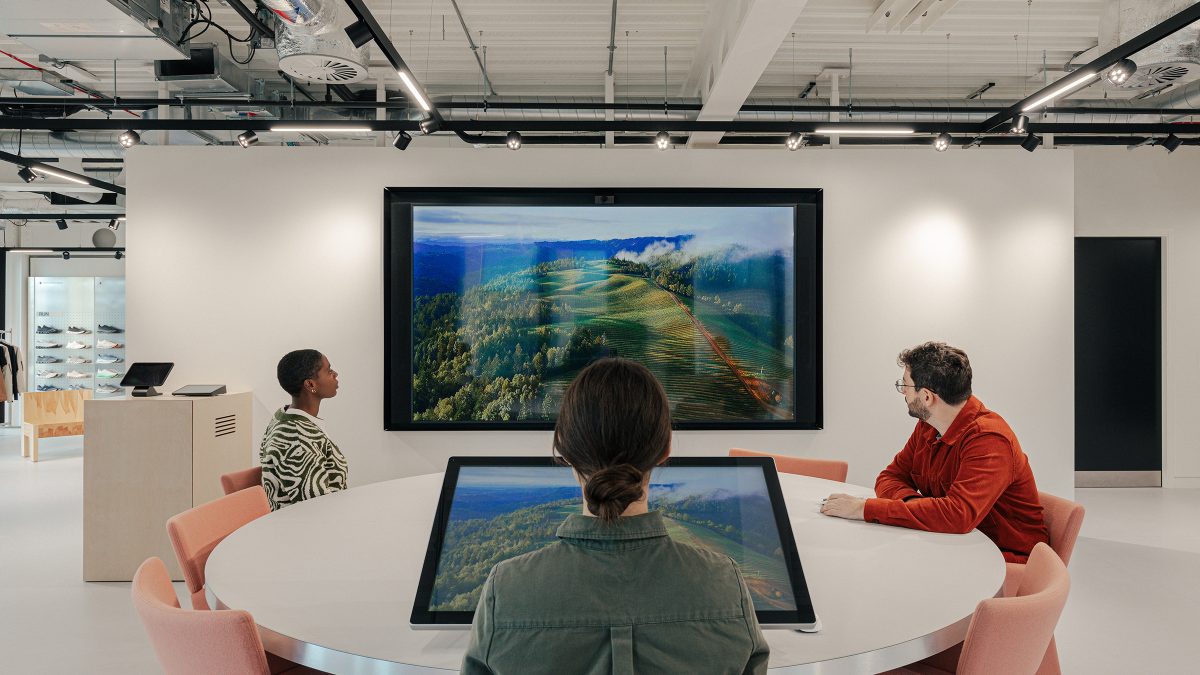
{"points": [[615, 594]]}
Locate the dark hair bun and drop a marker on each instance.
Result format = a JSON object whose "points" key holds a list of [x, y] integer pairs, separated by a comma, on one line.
{"points": [[611, 490]]}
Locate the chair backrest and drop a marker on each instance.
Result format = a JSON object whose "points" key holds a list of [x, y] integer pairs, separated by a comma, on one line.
{"points": [[829, 469], [48, 407], [1063, 519], [1010, 635], [197, 531], [240, 480], [187, 641]]}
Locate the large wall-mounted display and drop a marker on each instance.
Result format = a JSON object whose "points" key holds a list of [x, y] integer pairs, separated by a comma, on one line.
{"points": [[496, 298]]}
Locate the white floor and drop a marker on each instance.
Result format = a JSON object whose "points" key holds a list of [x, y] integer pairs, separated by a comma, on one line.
{"points": [[1134, 605]]}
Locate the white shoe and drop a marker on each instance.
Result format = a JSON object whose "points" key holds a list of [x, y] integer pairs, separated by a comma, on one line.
{"points": [[49, 345], [108, 358], [104, 372], [77, 360], [107, 389], [108, 344], [77, 345], [75, 374], [48, 373]]}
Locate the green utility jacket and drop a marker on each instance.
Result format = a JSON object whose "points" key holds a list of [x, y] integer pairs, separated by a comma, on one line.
{"points": [[617, 599]]}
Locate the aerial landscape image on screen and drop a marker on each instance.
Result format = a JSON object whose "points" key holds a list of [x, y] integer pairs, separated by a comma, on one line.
{"points": [[500, 513], [509, 303]]}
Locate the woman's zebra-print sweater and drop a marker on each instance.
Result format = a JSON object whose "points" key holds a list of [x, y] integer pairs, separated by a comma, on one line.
{"points": [[299, 461]]}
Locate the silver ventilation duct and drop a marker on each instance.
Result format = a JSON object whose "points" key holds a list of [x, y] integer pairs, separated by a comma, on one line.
{"points": [[83, 144], [1173, 60], [318, 49]]}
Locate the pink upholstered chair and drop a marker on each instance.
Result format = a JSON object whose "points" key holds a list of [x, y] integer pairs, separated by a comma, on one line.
{"points": [[829, 469], [1063, 518], [240, 480], [187, 641], [1010, 635], [197, 531]]}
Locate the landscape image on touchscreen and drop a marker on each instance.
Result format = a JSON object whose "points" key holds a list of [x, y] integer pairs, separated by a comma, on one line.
{"points": [[509, 303], [500, 513]]}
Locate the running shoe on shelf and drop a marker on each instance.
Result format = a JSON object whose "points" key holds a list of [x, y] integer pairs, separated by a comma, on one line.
{"points": [[109, 358], [77, 360], [73, 330], [73, 344], [48, 387], [48, 345], [104, 328], [46, 358], [108, 389], [76, 375], [108, 344], [106, 373], [46, 330], [48, 373]]}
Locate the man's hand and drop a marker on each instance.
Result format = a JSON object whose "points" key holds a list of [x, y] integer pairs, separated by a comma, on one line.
{"points": [[844, 506]]}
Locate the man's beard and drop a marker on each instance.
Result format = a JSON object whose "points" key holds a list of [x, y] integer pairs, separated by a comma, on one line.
{"points": [[921, 412]]}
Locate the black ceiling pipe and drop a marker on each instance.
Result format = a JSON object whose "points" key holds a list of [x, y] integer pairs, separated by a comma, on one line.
{"points": [[51, 217], [250, 18], [363, 14], [36, 166]]}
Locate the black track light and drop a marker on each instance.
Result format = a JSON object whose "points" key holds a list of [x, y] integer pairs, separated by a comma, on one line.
{"points": [[513, 140], [1031, 142], [1171, 142], [663, 140], [401, 140], [247, 139], [430, 125], [795, 141], [26, 174], [62, 223], [358, 33], [129, 138], [66, 255], [1121, 72], [115, 223], [118, 255], [942, 142], [1019, 124]]}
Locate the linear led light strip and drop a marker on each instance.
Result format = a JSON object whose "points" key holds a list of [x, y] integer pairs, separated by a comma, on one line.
{"points": [[59, 174], [412, 89], [317, 129], [1054, 93], [872, 131]]}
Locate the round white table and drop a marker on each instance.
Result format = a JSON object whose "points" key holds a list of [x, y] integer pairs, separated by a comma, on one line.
{"points": [[331, 581]]}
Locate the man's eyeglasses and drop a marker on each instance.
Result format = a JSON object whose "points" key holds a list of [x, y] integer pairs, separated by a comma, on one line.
{"points": [[900, 386]]}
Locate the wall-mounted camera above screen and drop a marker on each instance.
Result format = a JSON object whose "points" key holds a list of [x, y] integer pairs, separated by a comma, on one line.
{"points": [[496, 298]]}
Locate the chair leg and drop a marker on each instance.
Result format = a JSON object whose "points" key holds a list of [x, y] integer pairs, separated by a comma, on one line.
{"points": [[1050, 664]]}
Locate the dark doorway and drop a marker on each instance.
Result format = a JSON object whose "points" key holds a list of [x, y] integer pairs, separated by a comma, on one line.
{"points": [[1118, 362]]}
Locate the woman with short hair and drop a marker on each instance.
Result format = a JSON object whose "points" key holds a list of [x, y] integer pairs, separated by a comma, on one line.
{"points": [[615, 594], [298, 460]]}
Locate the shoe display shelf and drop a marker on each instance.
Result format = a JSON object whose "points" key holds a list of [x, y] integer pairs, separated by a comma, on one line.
{"points": [[77, 334]]}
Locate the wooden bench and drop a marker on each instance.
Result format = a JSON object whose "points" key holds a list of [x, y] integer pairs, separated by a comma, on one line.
{"points": [[48, 414]]}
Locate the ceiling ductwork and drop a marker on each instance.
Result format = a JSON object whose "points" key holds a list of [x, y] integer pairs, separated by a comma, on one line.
{"points": [[1172, 61], [82, 144], [312, 43]]}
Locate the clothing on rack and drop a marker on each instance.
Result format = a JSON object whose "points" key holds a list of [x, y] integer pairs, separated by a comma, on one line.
{"points": [[12, 371]]}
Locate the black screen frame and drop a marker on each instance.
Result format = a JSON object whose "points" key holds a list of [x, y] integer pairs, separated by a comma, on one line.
{"points": [[139, 374], [423, 616], [807, 380]]}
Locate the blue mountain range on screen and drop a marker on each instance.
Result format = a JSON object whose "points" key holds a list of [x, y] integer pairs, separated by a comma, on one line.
{"points": [[455, 265]]}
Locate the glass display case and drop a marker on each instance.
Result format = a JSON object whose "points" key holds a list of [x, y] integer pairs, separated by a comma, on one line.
{"points": [[77, 334]]}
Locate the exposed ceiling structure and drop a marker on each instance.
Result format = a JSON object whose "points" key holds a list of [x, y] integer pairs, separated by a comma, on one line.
{"points": [[75, 73]]}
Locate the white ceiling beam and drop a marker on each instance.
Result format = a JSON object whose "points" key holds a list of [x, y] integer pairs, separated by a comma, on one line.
{"points": [[900, 12], [747, 48], [912, 16], [882, 12], [936, 13]]}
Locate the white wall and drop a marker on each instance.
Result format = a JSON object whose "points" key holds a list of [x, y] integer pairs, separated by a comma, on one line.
{"points": [[1149, 193], [237, 256]]}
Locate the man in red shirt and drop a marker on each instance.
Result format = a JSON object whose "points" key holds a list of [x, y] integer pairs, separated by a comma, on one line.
{"points": [[962, 468]]}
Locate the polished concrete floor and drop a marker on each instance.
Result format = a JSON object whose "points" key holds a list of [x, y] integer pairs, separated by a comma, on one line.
{"points": [[1134, 605]]}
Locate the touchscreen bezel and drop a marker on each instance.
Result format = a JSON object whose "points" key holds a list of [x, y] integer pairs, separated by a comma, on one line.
{"points": [[802, 618]]}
